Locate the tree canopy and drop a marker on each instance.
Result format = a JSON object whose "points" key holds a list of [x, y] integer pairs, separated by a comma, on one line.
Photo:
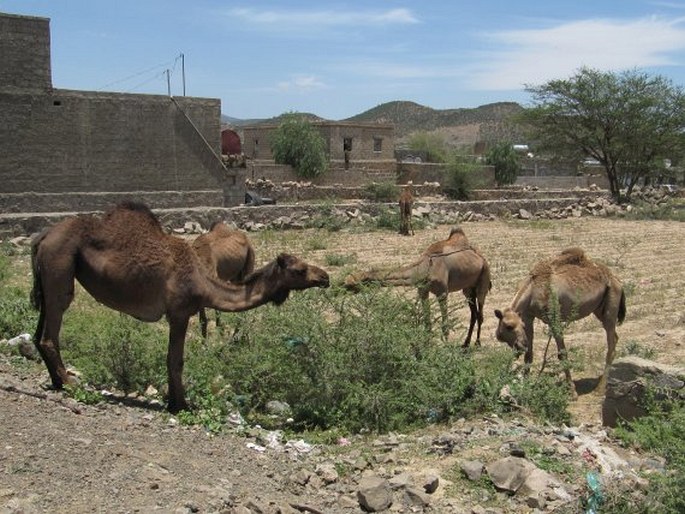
{"points": [[297, 142], [630, 122], [506, 162]]}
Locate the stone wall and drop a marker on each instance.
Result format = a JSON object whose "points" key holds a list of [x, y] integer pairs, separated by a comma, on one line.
{"points": [[563, 182], [61, 141], [25, 51]]}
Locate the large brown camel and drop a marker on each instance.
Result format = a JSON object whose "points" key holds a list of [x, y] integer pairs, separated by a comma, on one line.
{"points": [[406, 205], [559, 290], [126, 262], [226, 254], [445, 266]]}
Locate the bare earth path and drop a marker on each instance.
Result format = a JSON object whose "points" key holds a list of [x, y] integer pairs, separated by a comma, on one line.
{"points": [[126, 459]]}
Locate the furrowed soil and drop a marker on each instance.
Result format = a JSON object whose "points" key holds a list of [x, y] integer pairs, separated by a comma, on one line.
{"points": [[59, 456]]}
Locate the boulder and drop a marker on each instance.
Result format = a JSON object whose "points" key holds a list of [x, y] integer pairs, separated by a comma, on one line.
{"points": [[629, 379]]}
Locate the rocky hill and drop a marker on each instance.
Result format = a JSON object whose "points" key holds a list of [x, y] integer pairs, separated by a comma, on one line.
{"points": [[459, 126]]}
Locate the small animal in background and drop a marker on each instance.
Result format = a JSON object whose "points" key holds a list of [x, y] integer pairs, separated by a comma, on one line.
{"points": [[406, 205]]}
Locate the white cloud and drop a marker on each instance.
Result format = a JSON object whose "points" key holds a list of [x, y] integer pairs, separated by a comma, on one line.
{"points": [[323, 18], [301, 83], [538, 55]]}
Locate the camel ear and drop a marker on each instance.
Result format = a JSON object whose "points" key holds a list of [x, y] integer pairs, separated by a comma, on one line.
{"points": [[498, 313], [283, 260]]}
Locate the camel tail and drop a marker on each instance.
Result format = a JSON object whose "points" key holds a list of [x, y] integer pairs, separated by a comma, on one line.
{"points": [[622, 308], [37, 298], [37, 290]]}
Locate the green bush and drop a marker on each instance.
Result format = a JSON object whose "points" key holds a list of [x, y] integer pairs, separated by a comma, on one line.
{"points": [[382, 192], [112, 349], [461, 176], [17, 316]]}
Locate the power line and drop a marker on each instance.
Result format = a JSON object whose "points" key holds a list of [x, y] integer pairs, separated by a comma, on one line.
{"points": [[138, 74]]}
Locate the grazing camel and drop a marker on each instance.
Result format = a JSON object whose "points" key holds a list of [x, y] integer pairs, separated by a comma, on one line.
{"points": [[406, 204], [445, 266], [565, 288], [227, 255], [126, 262]]}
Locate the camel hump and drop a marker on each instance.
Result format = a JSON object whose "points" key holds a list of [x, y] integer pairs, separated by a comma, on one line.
{"points": [[135, 208], [572, 256], [456, 230]]}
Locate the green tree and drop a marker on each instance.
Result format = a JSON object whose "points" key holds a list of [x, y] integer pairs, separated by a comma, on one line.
{"points": [[629, 122], [297, 142], [506, 162], [430, 143]]}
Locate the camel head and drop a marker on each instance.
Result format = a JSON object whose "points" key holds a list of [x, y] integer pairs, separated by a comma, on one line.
{"points": [[510, 330], [292, 273]]}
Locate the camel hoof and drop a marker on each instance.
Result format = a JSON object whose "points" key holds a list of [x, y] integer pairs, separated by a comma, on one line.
{"points": [[176, 407]]}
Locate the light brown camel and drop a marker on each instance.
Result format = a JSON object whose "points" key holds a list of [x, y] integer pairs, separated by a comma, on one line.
{"points": [[126, 262], [406, 205], [226, 254], [565, 288], [445, 266]]}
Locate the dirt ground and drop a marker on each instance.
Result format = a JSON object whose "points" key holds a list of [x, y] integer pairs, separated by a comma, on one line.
{"points": [[129, 459]]}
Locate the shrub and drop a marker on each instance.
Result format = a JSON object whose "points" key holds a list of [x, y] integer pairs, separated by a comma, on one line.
{"points": [[506, 162], [17, 316], [112, 349], [382, 192], [461, 176]]}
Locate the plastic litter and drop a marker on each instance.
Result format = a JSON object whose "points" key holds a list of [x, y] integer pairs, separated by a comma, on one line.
{"points": [[596, 497]]}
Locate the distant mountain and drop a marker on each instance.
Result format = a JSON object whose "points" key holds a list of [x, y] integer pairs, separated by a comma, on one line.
{"points": [[458, 126], [409, 116]]}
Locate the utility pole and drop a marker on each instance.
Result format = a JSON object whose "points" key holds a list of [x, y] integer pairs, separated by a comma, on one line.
{"points": [[168, 82], [183, 72]]}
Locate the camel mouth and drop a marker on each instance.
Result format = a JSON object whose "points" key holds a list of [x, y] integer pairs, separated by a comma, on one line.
{"points": [[324, 283]]}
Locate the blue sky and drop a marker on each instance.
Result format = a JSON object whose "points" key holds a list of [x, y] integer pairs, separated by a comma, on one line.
{"points": [[337, 59]]}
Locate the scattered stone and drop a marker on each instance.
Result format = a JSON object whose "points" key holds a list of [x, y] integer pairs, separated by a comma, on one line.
{"points": [[374, 494], [509, 474], [472, 469]]}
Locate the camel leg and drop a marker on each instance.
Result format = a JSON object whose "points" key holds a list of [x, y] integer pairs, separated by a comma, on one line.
{"points": [[218, 319], [612, 341], [528, 356], [471, 300], [562, 355], [442, 302], [46, 338], [203, 323], [425, 308], [174, 361]]}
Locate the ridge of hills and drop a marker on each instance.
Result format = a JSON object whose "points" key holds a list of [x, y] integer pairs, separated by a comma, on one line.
{"points": [[410, 116]]}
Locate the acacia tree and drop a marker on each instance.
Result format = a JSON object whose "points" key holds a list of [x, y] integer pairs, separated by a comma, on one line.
{"points": [[629, 122], [297, 142]]}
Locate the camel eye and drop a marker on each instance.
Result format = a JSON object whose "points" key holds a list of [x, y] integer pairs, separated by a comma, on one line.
{"points": [[508, 327]]}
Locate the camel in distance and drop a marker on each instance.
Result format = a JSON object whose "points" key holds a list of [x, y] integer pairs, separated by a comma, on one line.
{"points": [[128, 263], [406, 205], [445, 266], [227, 255], [558, 290]]}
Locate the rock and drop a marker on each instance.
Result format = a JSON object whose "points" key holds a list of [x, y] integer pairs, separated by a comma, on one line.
{"points": [[430, 482], [472, 469], [374, 494], [278, 408], [524, 214], [509, 474], [627, 382], [327, 473], [415, 497]]}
